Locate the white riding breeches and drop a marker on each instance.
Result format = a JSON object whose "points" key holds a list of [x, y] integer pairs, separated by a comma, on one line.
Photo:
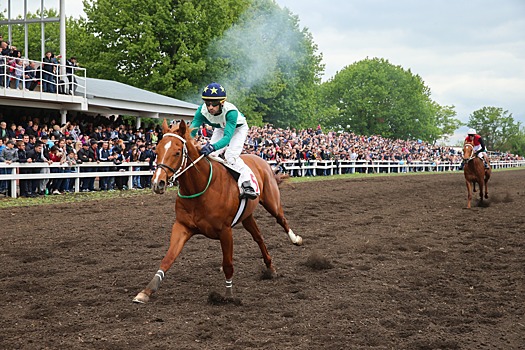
{"points": [[481, 154], [232, 152]]}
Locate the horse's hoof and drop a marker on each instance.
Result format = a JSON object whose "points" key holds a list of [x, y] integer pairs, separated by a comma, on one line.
{"points": [[141, 298], [299, 240], [268, 273]]}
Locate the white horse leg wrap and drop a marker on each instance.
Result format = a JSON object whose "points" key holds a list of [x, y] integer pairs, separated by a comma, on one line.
{"points": [[229, 283], [295, 238], [160, 275]]}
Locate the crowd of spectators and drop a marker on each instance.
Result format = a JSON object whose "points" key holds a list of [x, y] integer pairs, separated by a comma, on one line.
{"points": [[87, 139], [293, 145], [313, 144], [18, 72], [84, 139]]}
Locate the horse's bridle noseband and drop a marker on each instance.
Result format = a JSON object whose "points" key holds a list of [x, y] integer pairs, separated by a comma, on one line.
{"points": [[472, 156], [182, 168]]}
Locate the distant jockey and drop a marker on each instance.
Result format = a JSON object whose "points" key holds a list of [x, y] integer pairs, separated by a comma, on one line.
{"points": [[479, 147]]}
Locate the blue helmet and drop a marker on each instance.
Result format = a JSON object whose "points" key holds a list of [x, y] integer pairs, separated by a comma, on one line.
{"points": [[214, 91]]}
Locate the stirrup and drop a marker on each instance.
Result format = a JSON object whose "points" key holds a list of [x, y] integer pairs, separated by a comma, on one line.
{"points": [[246, 191]]}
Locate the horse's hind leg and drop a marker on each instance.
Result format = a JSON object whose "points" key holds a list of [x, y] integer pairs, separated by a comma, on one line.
{"points": [[480, 183], [251, 226], [227, 261], [275, 208]]}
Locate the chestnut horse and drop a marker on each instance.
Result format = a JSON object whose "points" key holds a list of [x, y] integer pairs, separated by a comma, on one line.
{"points": [[475, 171], [208, 202]]}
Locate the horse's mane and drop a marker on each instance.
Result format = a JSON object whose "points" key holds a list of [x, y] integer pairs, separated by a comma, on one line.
{"points": [[187, 135]]}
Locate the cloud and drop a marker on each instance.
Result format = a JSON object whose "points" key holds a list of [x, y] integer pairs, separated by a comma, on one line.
{"points": [[470, 54]]}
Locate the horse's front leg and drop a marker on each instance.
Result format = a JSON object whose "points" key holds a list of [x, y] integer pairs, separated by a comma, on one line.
{"points": [[227, 260], [179, 236], [469, 193]]}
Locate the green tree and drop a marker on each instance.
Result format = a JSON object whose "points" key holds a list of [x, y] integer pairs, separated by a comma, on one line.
{"points": [[446, 121], [497, 127], [271, 67], [373, 96], [516, 143], [158, 45]]}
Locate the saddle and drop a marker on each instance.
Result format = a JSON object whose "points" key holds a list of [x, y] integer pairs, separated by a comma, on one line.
{"points": [[244, 196], [246, 189], [234, 173]]}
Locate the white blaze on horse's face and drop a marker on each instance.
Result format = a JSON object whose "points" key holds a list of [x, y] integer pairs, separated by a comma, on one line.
{"points": [[167, 146], [467, 151]]}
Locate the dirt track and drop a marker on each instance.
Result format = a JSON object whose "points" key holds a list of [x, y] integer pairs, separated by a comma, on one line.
{"points": [[388, 263]]}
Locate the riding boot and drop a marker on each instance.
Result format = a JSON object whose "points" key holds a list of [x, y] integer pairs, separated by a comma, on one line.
{"points": [[461, 166], [486, 165], [247, 190]]}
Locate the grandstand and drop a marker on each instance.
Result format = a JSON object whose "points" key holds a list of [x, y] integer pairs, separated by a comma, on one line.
{"points": [[54, 85]]}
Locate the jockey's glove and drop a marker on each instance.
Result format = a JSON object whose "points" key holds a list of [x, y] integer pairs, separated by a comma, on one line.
{"points": [[207, 149]]}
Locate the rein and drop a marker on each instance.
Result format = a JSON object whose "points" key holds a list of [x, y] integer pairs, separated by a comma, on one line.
{"points": [[205, 189], [183, 168]]}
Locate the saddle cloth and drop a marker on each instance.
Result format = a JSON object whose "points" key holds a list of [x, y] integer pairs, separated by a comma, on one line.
{"points": [[240, 178]]}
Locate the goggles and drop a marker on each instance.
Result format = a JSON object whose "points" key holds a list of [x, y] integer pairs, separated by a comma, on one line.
{"points": [[213, 103]]}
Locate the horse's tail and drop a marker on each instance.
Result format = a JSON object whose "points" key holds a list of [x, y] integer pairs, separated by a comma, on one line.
{"points": [[280, 177]]}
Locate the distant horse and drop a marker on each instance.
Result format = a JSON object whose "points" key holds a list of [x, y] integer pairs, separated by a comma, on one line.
{"points": [[208, 202], [475, 171]]}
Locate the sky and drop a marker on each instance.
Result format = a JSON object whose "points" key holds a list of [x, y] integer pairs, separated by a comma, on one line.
{"points": [[471, 54]]}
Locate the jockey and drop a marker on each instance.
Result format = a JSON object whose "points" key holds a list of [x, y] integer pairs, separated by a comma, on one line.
{"points": [[479, 147], [230, 132]]}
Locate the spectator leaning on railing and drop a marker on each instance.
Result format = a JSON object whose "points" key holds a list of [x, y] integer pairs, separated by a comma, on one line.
{"points": [[25, 185], [36, 156], [48, 73], [71, 65], [31, 76], [3, 183], [8, 155]]}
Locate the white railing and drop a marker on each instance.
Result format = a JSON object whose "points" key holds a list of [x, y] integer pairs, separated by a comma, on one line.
{"points": [[332, 167], [294, 168], [60, 83], [125, 169]]}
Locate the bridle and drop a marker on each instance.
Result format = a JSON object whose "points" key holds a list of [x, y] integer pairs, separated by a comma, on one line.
{"points": [[183, 166], [472, 155]]}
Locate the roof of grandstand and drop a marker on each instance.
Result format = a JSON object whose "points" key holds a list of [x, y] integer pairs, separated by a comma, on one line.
{"points": [[125, 99], [99, 96]]}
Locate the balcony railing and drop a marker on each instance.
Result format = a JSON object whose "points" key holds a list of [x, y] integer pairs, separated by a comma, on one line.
{"points": [[15, 73]]}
